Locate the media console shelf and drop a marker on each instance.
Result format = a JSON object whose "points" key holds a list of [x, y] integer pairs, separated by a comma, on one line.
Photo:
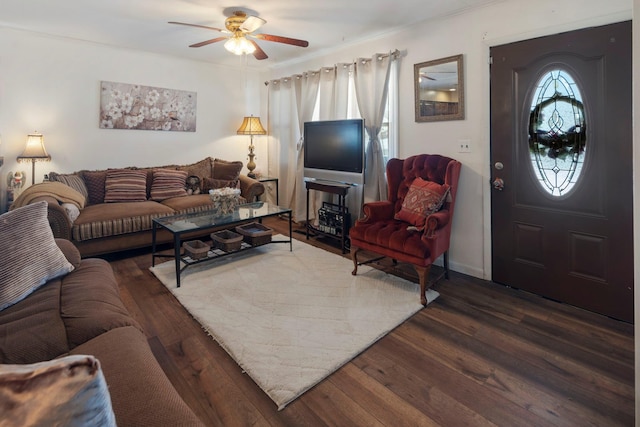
{"points": [[333, 188]]}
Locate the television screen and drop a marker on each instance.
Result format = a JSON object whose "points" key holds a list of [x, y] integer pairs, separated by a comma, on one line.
{"points": [[334, 150]]}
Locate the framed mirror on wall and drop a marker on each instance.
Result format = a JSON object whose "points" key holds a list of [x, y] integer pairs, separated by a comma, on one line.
{"points": [[439, 89]]}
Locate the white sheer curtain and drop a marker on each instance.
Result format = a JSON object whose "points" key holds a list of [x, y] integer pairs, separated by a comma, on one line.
{"points": [[334, 92], [371, 77], [306, 94], [283, 138], [291, 103]]}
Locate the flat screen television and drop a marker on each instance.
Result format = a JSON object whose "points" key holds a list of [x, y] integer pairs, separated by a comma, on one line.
{"points": [[334, 150]]}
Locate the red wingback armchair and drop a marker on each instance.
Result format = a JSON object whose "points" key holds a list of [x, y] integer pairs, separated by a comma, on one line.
{"points": [[380, 232]]}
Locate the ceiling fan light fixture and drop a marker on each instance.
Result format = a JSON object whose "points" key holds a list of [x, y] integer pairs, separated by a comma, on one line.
{"points": [[239, 45]]}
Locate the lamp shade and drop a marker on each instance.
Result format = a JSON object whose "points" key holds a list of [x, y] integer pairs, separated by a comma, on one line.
{"points": [[34, 149], [251, 126]]}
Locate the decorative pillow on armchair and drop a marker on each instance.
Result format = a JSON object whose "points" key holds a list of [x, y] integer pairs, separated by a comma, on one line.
{"points": [[423, 199], [70, 391], [30, 256]]}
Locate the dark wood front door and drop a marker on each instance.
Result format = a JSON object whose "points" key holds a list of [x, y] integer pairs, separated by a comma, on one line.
{"points": [[561, 159]]}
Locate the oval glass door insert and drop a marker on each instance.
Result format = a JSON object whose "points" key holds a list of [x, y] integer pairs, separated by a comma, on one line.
{"points": [[557, 132]]}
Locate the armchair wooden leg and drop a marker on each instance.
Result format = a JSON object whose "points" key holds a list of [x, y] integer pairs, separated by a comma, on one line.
{"points": [[354, 257], [446, 265], [423, 275]]}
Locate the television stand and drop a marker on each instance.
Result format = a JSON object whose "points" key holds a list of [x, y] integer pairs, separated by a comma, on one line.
{"points": [[333, 188]]}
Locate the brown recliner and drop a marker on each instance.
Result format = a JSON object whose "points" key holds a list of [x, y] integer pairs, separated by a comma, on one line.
{"points": [[380, 232]]}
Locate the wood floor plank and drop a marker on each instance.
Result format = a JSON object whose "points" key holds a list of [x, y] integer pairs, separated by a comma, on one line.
{"points": [[378, 400], [481, 355]]}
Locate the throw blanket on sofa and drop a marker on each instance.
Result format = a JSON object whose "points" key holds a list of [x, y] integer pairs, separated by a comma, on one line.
{"points": [[59, 191]]}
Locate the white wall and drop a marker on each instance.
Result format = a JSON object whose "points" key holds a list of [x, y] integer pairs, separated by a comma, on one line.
{"points": [[52, 85], [470, 33]]}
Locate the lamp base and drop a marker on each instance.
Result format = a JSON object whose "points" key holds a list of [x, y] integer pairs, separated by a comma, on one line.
{"points": [[251, 175]]}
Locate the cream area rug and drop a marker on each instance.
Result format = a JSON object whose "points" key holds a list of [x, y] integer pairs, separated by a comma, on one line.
{"points": [[290, 319]]}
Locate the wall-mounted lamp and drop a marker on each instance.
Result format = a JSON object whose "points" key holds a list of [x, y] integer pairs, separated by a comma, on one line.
{"points": [[251, 126], [34, 152]]}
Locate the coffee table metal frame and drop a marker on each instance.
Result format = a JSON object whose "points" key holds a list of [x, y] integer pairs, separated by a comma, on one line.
{"points": [[192, 223]]}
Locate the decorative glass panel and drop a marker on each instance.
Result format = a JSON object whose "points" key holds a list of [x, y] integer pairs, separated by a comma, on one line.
{"points": [[557, 132]]}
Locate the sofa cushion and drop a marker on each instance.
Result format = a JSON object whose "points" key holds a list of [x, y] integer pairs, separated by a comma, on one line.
{"points": [[94, 181], [423, 199], [68, 391], [226, 170], [141, 393], [110, 219], [32, 330], [90, 302], [168, 183], [125, 185], [30, 256], [391, 236], [193, 203], [73, 180]]}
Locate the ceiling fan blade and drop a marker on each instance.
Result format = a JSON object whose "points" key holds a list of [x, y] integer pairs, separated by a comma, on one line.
{"points": [[198, 26], [280, 39], [259, 53], [251, 24], [206, 42], [426, 77]]}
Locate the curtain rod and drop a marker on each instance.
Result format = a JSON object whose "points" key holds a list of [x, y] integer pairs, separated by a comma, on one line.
{"points": [[394, 54]]}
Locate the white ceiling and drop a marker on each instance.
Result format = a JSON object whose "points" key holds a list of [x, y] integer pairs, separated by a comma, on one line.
{"points": [[142, 24]]}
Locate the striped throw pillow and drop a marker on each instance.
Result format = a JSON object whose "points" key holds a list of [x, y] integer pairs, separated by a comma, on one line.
{"points": [[125, 185], [168, 183], [30, 256], [72, 180]]}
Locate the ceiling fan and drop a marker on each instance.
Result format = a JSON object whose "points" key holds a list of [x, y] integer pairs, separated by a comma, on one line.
{"points": [[239, 26]]}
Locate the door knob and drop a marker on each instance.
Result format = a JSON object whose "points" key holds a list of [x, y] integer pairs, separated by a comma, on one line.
{"points": [[498, 184]]}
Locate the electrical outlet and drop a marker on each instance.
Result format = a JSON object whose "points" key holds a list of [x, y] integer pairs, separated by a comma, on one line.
{"points": [[464, 146]]}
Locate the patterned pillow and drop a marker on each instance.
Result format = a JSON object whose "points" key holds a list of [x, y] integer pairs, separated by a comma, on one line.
{"points": [[94, 181], [125, 185], [30, 256], [200, 169], [225, 170], [168, 183], [422, 199], [70, 390], [72, 180]]}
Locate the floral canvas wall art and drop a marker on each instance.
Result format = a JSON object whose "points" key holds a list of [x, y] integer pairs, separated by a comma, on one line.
{"points": [[130, 106]]}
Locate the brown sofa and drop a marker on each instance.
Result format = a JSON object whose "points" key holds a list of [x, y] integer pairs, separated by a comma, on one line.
{"points": [[81, 313], [103, 227]]}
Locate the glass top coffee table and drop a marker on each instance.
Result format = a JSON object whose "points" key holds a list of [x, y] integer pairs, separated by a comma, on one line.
{"points": [[191, 225]]}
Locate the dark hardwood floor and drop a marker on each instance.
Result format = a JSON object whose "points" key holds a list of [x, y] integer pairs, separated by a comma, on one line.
{"points": [[480, 355]]}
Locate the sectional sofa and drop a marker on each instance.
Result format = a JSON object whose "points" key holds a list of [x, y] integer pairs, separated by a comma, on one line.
{"points": [[64, 330]]}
